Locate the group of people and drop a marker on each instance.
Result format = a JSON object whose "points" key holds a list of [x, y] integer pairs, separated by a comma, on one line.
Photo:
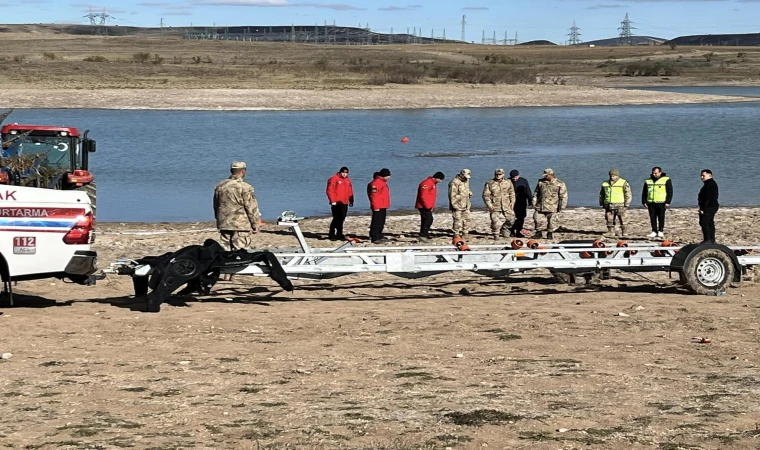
{"points": [[506, 199]]}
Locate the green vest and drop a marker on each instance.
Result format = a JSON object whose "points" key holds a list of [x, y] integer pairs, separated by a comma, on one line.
{"points": [[656, 192], [614, 193]]}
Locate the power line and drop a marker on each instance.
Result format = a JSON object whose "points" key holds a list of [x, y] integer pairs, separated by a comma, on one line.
{"points": [[626, 31], [575, 36]]}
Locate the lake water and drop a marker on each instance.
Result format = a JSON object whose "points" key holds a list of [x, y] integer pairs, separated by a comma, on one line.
{"points": [[162, 165]]}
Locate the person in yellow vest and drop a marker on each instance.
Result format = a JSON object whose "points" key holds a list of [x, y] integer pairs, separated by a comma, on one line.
{"points": [[656, 197], [615, 196]]}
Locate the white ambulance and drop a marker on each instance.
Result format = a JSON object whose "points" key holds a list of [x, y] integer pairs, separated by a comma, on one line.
{"points": [[45, 233]]}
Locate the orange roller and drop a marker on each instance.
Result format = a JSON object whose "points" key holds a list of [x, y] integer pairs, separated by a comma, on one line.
{"points": [[533, 244], [599, 244], [541, 247], [586, 255], [517, 244], [624, 244], [460, 244]]}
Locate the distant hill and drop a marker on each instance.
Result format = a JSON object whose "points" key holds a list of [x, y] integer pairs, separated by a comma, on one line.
{"points": [[539, 42], [635, 40], [717, 39]]}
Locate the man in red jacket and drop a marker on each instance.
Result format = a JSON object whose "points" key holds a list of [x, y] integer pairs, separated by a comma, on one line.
{"points": [[379, 202], [427, 192], [340, 194]]}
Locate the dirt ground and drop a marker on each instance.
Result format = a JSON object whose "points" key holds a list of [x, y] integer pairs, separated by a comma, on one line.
{"points": [[455, 361]]}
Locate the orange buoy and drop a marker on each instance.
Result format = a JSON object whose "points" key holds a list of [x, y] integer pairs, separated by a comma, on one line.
{"points": [[404, 140], [517, 244]]}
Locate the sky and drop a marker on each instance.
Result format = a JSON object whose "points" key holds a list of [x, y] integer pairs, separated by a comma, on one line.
{"points": [[530, 19]]}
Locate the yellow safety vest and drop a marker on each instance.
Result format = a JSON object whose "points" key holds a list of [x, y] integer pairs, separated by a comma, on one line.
{"points": [[656, 192], [614, 193]]}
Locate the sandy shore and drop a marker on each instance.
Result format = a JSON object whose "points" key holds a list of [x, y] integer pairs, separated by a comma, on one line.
{"points": [[396, 97], [454, 361]]}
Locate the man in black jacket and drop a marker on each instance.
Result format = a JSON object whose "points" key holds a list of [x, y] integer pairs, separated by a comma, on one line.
{"points": [[656, 197], [708, 206], [523, 198]]}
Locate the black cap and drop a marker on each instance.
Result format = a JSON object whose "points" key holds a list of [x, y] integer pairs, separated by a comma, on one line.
{"points": [[439, 176], [514, 173], [343, 169], [385, 172]]}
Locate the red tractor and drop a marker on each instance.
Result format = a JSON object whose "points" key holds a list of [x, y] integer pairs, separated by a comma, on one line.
{"points": [[47, 157]]}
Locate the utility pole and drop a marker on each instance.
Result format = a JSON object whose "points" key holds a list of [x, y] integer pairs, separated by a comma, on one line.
{"points": [[483, 41], [626, 31], [575, 36], [464, 23]]}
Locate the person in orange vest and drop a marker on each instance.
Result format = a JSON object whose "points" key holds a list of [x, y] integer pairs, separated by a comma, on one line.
{"points": [[379, 202], [427, 193], [340, 194]]}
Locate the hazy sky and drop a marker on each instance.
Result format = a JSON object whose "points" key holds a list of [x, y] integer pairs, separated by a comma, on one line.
{"points": [[534, 19]]}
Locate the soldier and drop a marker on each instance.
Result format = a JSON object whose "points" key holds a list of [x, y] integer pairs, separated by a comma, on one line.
{"points": [[379, 202], [656, 197], [549, 199], [523, 199], [615, 196], [340, 194], [460, 203], [499, 197], [236, 209], [427, 193]]}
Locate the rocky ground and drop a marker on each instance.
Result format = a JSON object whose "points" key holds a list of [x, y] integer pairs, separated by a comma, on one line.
{"points": [[376, 362]]}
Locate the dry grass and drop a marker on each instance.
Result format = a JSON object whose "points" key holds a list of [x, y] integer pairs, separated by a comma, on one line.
{"points": [[45, 60]]}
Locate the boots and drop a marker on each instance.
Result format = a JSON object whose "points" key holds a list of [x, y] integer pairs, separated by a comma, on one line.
{"points": [[538, 235], [622, 232], [550, 235]]}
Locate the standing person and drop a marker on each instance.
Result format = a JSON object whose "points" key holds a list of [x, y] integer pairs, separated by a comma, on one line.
{"points": [[427, 193], [499, 197], [379, 202], [236, 209], [615, 196], [549, 199], [460, 203], [708, 206], [340, 194], [656, 197], [523, 199]]}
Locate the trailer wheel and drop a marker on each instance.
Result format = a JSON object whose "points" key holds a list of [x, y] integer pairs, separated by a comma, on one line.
{"points": [[708, 271]]}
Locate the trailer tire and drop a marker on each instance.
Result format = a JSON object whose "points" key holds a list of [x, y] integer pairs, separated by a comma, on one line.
{"points": [[708, 271], [92, 191]]}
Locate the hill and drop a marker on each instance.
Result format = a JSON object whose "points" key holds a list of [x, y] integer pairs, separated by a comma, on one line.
{"points": [[538, 42], [635, 40], [739, 40]]}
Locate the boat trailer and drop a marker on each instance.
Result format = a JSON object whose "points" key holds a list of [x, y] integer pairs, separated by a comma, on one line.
{"points": [[705, 269]]}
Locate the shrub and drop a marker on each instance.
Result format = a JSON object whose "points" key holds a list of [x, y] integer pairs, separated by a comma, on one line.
{"points": [[141, 57], [197, 59], [500, 59], [96, 58], [672, 46], [19, 58], [404, 75], [708, 56], [50, 56], [157, 59], [322, 63]]}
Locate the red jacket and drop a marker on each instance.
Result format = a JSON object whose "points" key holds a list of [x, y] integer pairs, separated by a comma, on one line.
{"points": [[379, 194], [339, 190], [426, 194]]}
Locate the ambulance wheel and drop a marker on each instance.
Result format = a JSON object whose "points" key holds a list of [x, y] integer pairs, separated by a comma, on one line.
{"points": [[708, 271]]}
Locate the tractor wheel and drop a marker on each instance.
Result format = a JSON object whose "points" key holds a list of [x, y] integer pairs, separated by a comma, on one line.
{"points": [[92, 192], [708, 271]]}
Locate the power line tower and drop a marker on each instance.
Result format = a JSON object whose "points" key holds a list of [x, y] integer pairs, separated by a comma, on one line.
{"points": [[575, 36], [99, 20], [626, 31], [464, 23]]}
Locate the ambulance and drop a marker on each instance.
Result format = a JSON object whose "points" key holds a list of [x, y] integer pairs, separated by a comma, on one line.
{"points": [[45, 233]]}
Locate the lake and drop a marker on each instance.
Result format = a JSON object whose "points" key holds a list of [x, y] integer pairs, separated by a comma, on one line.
{"points": [[157, 166]]}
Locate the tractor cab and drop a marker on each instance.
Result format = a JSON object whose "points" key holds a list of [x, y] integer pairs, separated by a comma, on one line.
{"points": [[45, 156]]}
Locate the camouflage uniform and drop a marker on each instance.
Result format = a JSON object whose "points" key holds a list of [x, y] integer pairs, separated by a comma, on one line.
{"points": [[615, 210], [549, 198], [499, 197], [460, 204], [236, 211]]}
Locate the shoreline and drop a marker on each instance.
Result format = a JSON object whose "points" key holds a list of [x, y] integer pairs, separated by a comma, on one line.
{"points": [[363, 98], [407, 214]]}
